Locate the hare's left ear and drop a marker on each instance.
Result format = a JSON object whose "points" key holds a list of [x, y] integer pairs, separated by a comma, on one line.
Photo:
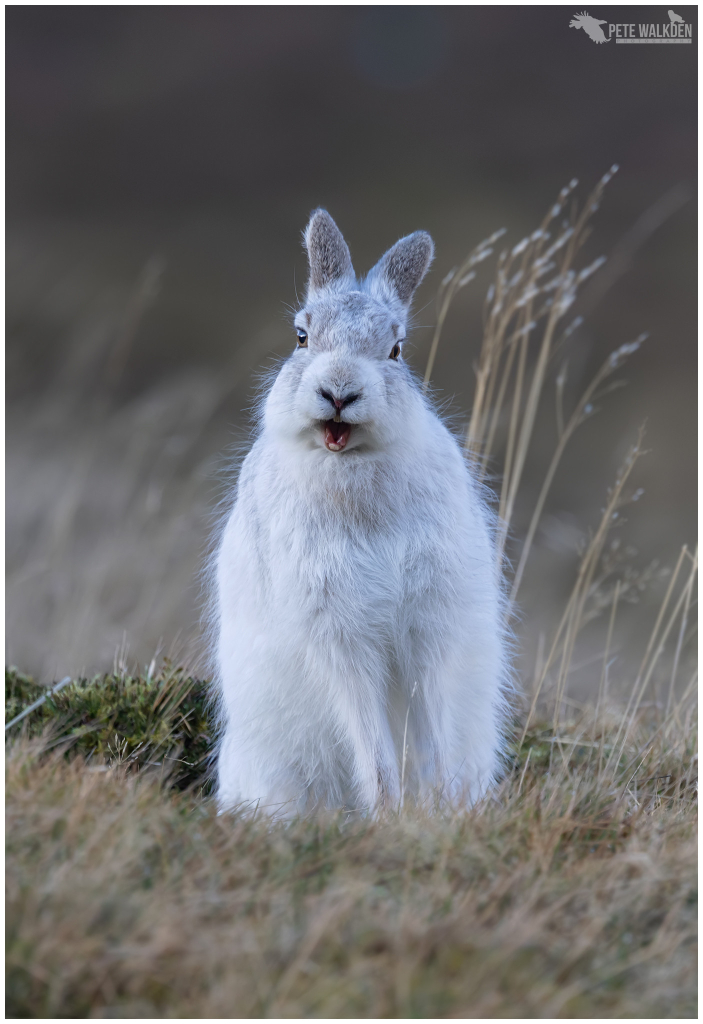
{"points": [[399, 272]]}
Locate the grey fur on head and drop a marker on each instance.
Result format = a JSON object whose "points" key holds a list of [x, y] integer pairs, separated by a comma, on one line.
{"points": [[328, 253]]}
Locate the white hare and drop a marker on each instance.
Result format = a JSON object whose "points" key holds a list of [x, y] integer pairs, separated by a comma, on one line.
{"points": [[357, 595]]}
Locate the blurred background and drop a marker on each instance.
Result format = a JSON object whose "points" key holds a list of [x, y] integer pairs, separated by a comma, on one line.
{"points": [[161, 165]]}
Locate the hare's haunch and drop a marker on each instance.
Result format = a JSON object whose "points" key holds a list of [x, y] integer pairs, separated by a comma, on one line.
{"points": [[361, 657]]}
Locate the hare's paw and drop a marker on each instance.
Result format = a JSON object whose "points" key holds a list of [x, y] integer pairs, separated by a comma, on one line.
{"points": [[255, 781]]}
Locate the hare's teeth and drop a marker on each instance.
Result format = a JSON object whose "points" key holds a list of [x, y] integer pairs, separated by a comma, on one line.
{"points": [[336, 435]]}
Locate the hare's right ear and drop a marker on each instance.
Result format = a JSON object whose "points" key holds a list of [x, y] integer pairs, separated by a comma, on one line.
{"points": [[328, 254]]}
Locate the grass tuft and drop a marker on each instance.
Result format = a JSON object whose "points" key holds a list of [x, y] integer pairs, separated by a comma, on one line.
{"points": [[156, 721]]}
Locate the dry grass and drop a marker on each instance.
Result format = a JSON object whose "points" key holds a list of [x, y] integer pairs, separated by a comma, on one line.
{"points": [[571, 893]]}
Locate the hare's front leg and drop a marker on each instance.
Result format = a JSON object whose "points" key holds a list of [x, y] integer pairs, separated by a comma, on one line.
{"points": [[362, 720], [252, 775], [455, 729]]}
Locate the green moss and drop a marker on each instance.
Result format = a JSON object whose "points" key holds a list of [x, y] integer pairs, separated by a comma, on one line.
{"points": [[164, 720]]}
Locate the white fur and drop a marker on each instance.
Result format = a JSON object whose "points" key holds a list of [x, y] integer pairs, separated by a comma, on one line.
{"points": [[346, 580]]}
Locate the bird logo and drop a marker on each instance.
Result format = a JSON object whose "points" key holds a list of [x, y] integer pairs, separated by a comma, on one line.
{"points": [[591, 26], [674, 18]]}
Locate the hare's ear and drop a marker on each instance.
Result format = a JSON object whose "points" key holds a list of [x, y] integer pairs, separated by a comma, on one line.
{"points": [[328, 253], [399, 272]]}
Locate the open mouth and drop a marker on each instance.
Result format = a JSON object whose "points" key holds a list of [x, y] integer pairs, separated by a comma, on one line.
{"points": [[336, 435]]}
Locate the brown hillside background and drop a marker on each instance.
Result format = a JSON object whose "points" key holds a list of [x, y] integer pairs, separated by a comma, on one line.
{"points": [[161, 165]]}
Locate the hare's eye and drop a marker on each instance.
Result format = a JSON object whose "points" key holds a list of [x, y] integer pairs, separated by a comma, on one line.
{"points": [[302, 339], [395, 351]]}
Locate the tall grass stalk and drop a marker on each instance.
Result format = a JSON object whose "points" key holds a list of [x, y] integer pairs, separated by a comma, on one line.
{"points": [[536, 284]]}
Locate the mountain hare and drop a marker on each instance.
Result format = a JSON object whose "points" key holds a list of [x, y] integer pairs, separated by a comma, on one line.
{"points": [[360, 646]]}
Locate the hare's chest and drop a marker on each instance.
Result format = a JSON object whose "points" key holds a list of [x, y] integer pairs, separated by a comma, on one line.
{"points": [[364, 578], [325, 565]]}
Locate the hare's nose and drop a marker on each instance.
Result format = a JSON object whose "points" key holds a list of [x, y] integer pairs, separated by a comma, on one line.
{"points": [[338, 403]]}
